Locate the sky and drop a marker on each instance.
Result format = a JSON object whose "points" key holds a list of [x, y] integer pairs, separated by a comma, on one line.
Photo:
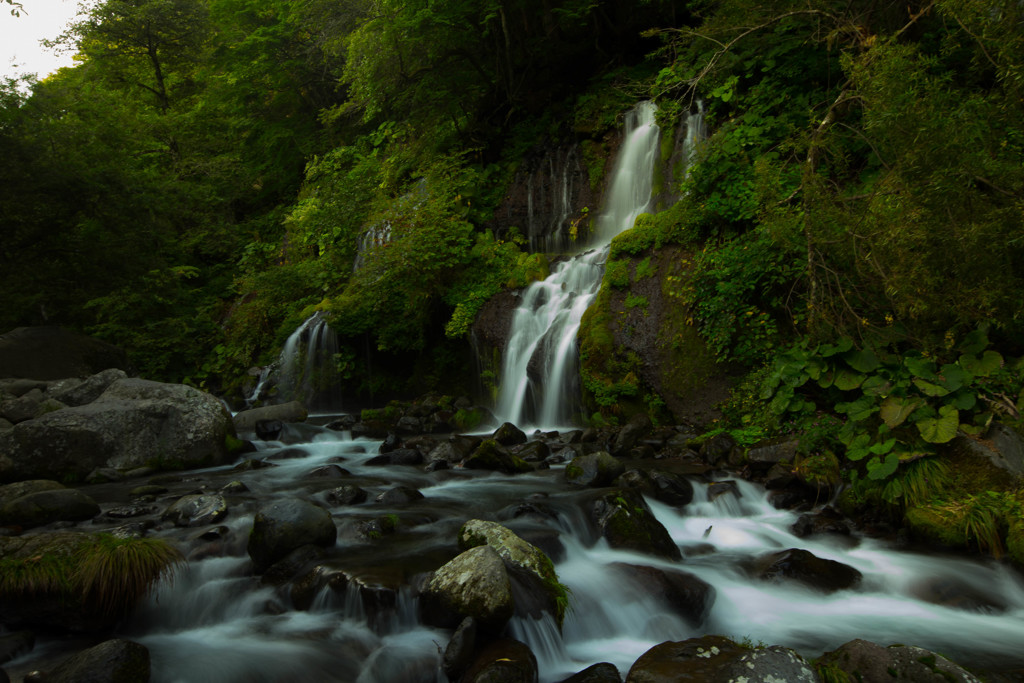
{"points": [[20, 51]]}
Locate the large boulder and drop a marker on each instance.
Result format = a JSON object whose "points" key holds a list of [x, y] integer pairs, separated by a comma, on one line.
{"points": [[503, 661], [48, 353], [80, 393], [804, 567], [491, 455], [197, 509], [862, 660], [292, 411], [474, 584], [113, 661], [623, 518], [134, 423], [684, 593], [285, 525], [542, 590], [597, 469], [714, 658]]}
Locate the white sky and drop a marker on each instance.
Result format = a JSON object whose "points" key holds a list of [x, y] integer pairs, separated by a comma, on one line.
{"points": [[20, 51]]}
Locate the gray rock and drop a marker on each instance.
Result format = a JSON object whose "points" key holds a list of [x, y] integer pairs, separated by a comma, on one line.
{"points": [[19, 409], [9, 492], [503, 661], [293, 411], [509, 435], [135, 422], [684, 593], [197, 510], [623, 518], [628, 437], [285, 525], [399, 495], [50, 353], [603, 672], [474, 584], [595, 470], [90, 389], [114, 661], [863, 660], [5, 424], [44, 507], [714, 658], [806, 568], [20, 387], [458, 655]]}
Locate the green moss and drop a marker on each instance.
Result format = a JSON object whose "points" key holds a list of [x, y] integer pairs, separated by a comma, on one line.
{"points": [[233, 444], [467, 419], [616, 274]]}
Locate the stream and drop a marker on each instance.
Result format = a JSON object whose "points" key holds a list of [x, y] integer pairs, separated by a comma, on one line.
{"points": [[216, 621]]}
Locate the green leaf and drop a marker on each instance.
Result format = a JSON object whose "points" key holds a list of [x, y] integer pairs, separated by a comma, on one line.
{"points": [[940, 429], [827, 379], [882, 447], [989, 362], [859, 447], [862, 360], [929, 389], [975, 342], [964, 400], [841, 346], [876, 386], [878, 469], [858, 410], [846, 380], [921, 367], [954, 376], [896, 409]]}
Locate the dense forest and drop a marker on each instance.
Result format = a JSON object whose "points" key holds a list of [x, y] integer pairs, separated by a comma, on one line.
{"points": [[847, 246]]}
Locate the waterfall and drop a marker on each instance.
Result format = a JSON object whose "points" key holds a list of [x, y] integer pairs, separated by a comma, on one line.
{"points": [[539, 376], [306, 366]]}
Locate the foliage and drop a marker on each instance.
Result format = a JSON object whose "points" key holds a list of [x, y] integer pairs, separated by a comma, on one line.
{"points": [[897, 407]]}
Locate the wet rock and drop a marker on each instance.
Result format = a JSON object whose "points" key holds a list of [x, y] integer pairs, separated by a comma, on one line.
{"points": [[444, 452], [474, 584], [717, 448], [491, 455], [291, 565], [44, 507], [714, 658], [722, 488], [595, 470], [763, 457], [103, 475], [509, 435], [503, 661], [148, 490], [458, 655], [9, 492], [684, 593], [15, 644], [267, 430], [89, 390], [342, 424], [114, 661], [399, 456], [399, 495], [328, 472], [252, 464], [806, 568], [129, 511], [234, 487], [532, 451], [628, 437], [624, 520], [603, 672], [197, 510], [391, 442], [53, 353], [407, 424], [862, 660], [19, 409], [826, 521], [135, 422], [372, 529], [293, 411], [347, 495], [285, 525]]}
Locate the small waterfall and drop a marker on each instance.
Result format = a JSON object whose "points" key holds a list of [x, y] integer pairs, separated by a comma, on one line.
{"points": [[375, 236], [539, 377], [307, 371], [551, 188]]}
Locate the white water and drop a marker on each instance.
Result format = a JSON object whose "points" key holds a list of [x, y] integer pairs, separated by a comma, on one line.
{"points": [[539, 373], [306, 366]]}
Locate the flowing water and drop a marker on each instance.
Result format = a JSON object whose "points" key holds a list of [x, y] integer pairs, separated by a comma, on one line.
{"points": [[216, 622], [539, 375], [305, 370]]}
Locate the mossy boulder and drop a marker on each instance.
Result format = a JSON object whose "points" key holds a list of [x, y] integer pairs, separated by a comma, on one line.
{"points": [[714, 658], [509, 435], [594, 470], [862, 660], [623, 518], [474, 584], [524, 559], [134, 423], [491, 455]]}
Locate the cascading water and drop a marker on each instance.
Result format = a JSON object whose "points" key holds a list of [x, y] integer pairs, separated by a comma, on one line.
{"points": [[306, 366], [539, 376]]}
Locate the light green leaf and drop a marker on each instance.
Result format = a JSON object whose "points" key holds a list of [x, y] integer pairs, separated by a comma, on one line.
{"points": [[920, 367], [940, 429], [846, 380], [896, 409], [965, 400], [863, 360], [877, 469], [954, 376], [841, 346], [989, 362], [929, 389], [882, 447], [876, 386]]}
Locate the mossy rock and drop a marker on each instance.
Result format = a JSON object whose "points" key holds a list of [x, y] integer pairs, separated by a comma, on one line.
{"points": [[625, 521], [936, 525], [491, 455]]}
